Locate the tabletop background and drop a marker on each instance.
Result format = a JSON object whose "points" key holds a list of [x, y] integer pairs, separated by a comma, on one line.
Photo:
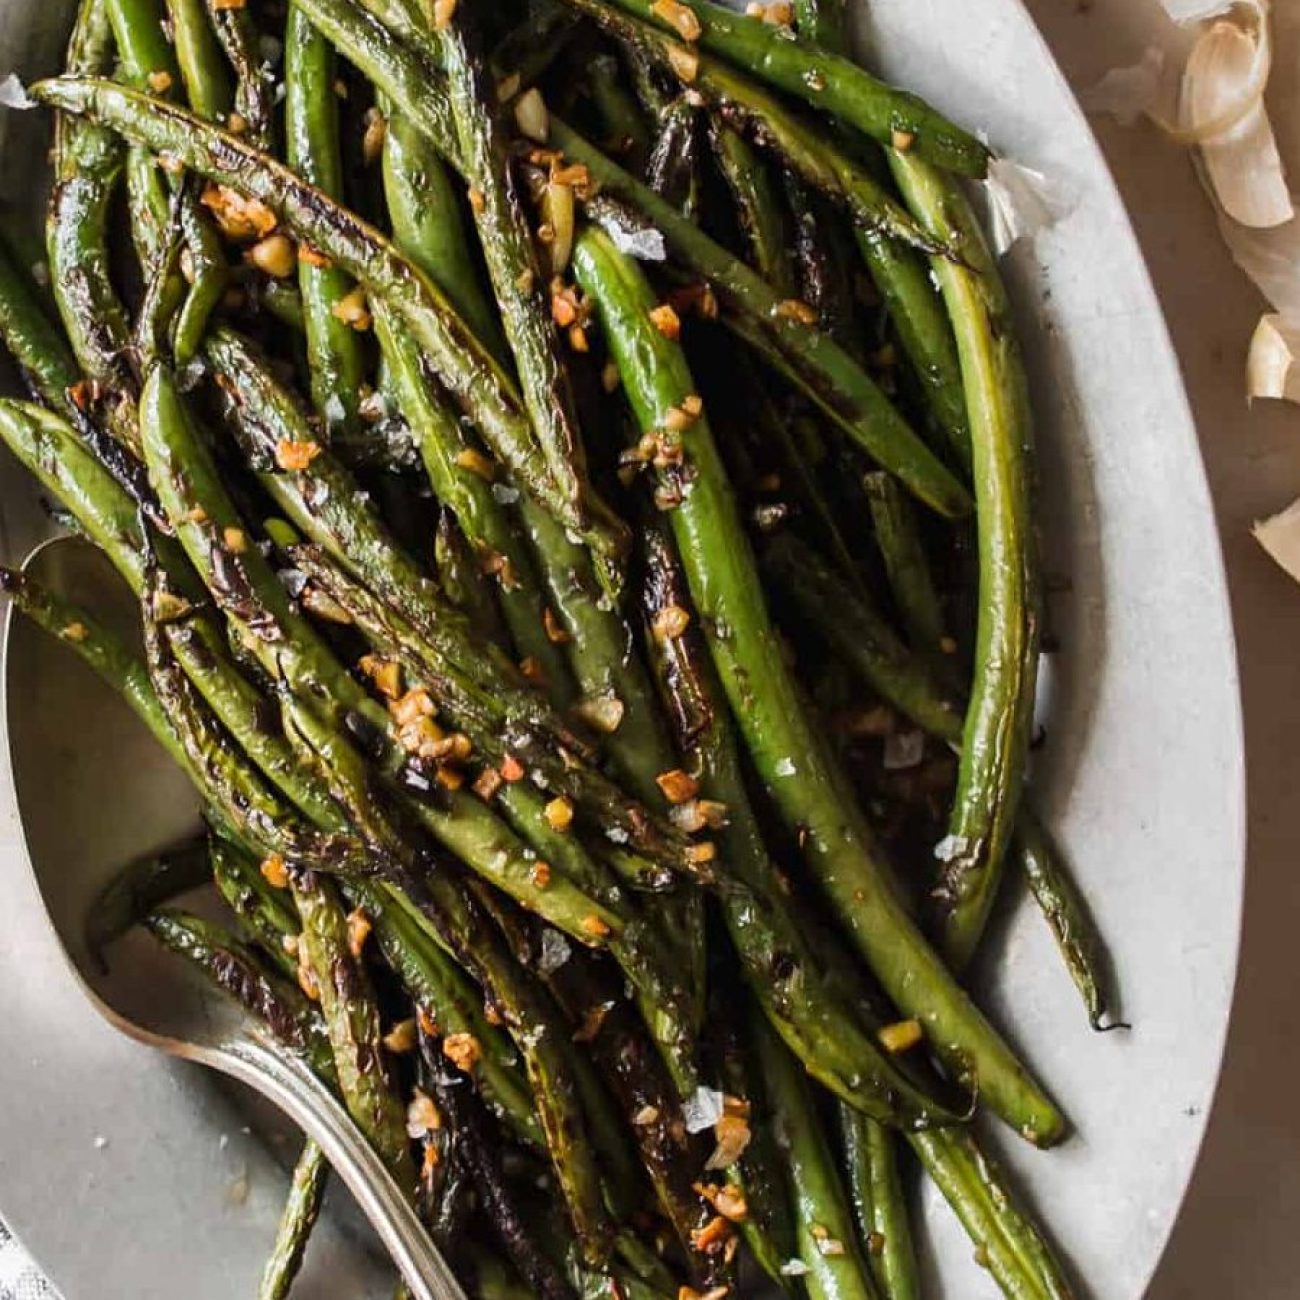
{"points": [[1237, 1235]]}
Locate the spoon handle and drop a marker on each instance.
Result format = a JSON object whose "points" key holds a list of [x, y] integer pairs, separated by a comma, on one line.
{"points": [[292, 1087]]}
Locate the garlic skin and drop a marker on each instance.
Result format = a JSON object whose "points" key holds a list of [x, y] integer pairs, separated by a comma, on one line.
{"points": [[1221, 110], [1271, 369], [1280, 537]]}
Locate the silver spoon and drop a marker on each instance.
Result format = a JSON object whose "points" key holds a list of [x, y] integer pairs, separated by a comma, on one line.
{"points": [[148, 996]]}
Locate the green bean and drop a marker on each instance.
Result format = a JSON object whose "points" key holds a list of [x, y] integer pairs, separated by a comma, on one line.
{"points": [[199, 57], [906, 564], [788, 976], [301, 1210], [517, 282], [439, 985], [861, 636], [266, 912], [334, 351], [903, 281], [1066, 912], [1006, 1241], [234, 969], [429, 224], [209, 277], [827, 1242], [673, 169], [620, 114], [879, 1205], [758, 207], [143, 885], [823, 22], [999, 718], [87, 167], [478, 1147], [470, 375], [768, 1227], [749, 106], [352, 1021], [237, 35], [147, 57], [865, 642], [809, 359], [35, 342], [827, 82], [782, 743]]}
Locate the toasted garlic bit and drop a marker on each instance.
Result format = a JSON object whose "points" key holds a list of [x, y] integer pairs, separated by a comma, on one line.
{"points": [[239, 217], [312, 256], [679, 17], [275, 256], [274, 871], [711, 1238], [476, 200], [559, 814], [666, 321], [685, 63], [646, 1116], [352, 310], [236, 540], [294, 457], [797, 310], [780, 13], [900, 1037], [359, 927], [902, 141], [401, 1038], [540, 874], [701, 854], [512, 769], [443, 12], [159, 82], [385, 673], [222, 5], [372, 142], [75, 631], [477, 463], [678, 786], [671, 622], [732, 1134], [463, 1051], [422, 1116], [602, 713], [532, 116], [555, 632], [729, 1201]]}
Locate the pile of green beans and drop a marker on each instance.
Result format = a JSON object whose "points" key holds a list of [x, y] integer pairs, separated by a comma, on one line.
{"points": [[637, 959]]}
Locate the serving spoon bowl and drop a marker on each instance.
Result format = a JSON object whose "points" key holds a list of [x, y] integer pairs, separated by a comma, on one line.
{"points": [[140, 990]]}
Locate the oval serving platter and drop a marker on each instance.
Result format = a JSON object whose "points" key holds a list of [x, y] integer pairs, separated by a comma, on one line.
{"points": [[124, 1173]]}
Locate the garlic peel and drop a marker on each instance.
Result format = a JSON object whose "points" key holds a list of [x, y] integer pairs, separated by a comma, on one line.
{"points": [[1130, 92], [1271, 369], [1021, 202], [1280, 537], [1222, 110]]}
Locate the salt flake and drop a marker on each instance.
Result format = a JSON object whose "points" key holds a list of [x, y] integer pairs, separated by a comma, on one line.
{"points": [[13, 94], [702, 1109]]}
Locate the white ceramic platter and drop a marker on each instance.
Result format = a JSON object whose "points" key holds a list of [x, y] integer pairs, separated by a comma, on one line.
{"points": [[1141, 775]]}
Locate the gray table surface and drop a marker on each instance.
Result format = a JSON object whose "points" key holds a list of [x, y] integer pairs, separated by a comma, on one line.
{"points": [[1237, 1235]]}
